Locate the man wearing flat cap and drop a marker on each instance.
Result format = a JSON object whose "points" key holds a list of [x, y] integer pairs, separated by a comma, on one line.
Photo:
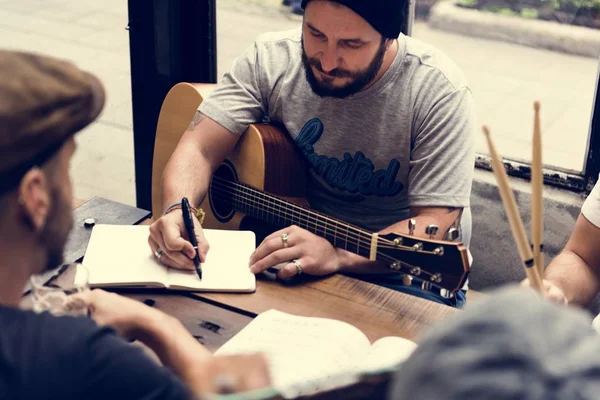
{"points": [[43, 103], [384, 121]]}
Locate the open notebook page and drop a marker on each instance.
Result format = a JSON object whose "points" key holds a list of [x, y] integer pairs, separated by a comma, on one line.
{"points": [[386, 353], [300, 349], [227, 263], [119, 254]]}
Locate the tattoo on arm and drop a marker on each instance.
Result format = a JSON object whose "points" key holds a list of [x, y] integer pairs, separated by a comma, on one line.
{"points": [[455, 224], [198, 117]]}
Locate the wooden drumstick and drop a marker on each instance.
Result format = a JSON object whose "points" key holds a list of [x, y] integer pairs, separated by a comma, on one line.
{"points": [[537, 186], [514, 219]]}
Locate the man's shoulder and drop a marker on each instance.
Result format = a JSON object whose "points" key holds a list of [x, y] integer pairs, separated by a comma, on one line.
{"points": [[433, 60], [72, 357], [18, 317], [44, 329], [291, 37]]}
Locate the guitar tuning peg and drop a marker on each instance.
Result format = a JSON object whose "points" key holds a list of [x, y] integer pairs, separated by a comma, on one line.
{"points": [[412, 224], [432, 230], [452, 234]]}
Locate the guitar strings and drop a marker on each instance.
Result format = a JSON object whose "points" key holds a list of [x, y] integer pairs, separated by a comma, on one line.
{"points": [[285, 216], [274, 200], [219, 194], [366, 236], [309, 219], [314, 223], [256, 194]]}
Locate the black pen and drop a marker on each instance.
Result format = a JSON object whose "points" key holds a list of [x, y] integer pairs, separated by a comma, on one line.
{"points": [[189, 227]]}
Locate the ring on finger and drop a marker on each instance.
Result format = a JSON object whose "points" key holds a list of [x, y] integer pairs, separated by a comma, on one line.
{"points": [[284, 239], [225, 383], [158, 253], [298, 266]]}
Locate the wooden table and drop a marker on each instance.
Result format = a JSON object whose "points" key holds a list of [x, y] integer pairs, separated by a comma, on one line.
{"points": [[213, 318]]}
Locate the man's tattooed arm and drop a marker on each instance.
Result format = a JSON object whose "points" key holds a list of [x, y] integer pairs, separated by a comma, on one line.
{"points": [[198, 117]]}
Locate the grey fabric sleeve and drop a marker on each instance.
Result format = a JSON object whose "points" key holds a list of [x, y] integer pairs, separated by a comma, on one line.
{"points": [[591, 206], [442, 156], [236, 102]]}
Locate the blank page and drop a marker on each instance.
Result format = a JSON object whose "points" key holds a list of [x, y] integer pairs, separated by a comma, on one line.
{"points": [[300, 349], [386, 353], [227, 266], [119, 255]]}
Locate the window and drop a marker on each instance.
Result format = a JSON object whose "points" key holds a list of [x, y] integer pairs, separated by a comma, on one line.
{"points": [[92, 35], [513, 53]]}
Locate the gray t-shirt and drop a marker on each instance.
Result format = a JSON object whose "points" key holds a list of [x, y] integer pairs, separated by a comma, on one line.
{"points": [[591, 206], [405, 141]]}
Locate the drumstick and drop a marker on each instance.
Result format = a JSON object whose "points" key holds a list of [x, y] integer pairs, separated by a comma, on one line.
{"points": [[514, 219], [537, 205]]}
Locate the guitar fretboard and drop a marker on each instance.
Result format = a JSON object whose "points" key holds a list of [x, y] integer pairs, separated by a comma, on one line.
{"points": [[281, 213]]}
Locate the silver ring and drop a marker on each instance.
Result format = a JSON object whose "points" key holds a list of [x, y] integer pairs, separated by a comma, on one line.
{"points": [[225, 383], [158, 253], [284, 239], [298, 266]]}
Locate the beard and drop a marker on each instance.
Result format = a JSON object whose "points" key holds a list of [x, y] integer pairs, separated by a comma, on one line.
{"points": [[53, 236], [358, 79]]}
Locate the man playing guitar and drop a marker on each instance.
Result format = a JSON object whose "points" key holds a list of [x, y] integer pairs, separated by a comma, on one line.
{"points": [[384, 121]]}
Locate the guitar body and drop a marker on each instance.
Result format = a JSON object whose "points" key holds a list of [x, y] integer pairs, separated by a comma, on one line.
{"points": [[266, 159]]}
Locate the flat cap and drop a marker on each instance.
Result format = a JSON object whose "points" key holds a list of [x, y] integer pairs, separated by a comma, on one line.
{"points": [[43, 102]]}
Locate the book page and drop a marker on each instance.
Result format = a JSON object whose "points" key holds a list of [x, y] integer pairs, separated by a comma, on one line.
{"points": [[119, 255], [300, 349], [386, 353], [227, 264]]}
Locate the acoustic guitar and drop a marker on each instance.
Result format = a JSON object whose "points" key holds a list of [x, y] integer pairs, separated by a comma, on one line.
{"points": [[264, 178]]}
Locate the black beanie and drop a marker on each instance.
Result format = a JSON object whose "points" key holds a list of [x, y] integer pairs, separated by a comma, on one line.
{"points": [[386, 16]]}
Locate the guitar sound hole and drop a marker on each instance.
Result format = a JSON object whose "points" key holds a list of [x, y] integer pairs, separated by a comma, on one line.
{"points": [[221, 192]]}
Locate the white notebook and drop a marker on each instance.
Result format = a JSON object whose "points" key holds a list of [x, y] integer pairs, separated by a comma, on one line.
{"points": [[119, 256], [307, 354]]}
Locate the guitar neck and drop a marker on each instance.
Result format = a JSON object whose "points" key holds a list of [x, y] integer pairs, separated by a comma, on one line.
{"points": [[282, 213], [443, 264]]}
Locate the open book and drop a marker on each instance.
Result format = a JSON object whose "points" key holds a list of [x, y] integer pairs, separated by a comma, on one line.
{"points": [[308, 353], [119, 256]]}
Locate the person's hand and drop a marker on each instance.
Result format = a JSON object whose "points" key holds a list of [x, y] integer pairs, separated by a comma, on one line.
{"points": [[234, 374], [168, 234], [123, 314], [313, 254], [551, 291]]}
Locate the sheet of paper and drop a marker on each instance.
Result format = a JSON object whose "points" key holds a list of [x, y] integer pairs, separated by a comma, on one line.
{"points": [[300, 349], [226, 265], [386, 353], [120, 254]]}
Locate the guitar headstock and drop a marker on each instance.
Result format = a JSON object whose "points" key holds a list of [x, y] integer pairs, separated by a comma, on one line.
{"points": [[443, 263]]}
